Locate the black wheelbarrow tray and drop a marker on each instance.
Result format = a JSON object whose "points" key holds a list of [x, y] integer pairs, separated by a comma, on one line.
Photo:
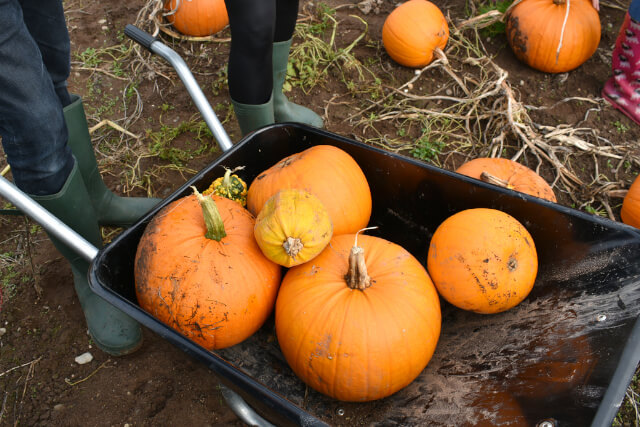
{"points": [[564, 356]]}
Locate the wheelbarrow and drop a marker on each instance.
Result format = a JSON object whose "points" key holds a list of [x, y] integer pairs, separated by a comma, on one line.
{"points": [[562, 357]]}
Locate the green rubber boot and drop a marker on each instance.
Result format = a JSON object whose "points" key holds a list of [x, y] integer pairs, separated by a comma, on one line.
{"points": [[283, 109], [251, 117], [110, 209], [113, 331]]}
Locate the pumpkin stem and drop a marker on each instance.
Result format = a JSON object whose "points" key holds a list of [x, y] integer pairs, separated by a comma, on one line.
{"points": [[492, 179], [357, 277], [226, 180], [292, 246], [212, 219]]}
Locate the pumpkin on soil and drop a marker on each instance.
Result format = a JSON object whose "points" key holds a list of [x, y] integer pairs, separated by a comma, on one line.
{"points": [[482, 260], [197, 17], [508, 174], [539, 36], [413, 31], [199, 270], [358, 323], [328, 173], [630, 212], [230, 186], [292, 227]]}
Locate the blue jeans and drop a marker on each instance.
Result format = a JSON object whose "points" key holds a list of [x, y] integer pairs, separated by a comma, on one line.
{"points": [[634, 10], [34, 67]]}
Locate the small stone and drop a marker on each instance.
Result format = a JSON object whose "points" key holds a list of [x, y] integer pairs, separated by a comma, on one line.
{"points": [[521, 82], [3, 331], [84, 358], [58, 407], [449, 92], [102, 21], [104, 27]]}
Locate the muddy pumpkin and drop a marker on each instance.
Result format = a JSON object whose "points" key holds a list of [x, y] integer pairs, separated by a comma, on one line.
{"points": [[191, 271], [482, 260], [360, 321], [509, 174], [630, 212], [553, 36], [197, 18], [328, 173]]}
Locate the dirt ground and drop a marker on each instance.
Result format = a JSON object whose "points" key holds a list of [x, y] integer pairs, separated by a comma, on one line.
{"points": [[43, 327]]}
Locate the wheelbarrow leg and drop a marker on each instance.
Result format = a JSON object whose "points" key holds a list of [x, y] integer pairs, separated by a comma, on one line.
{"points": [[242, 409]]}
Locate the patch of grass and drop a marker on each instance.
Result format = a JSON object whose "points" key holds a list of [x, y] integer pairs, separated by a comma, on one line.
{"points": [[629, 414], [317, 52], [161, 141], [497, 27], [428, 149], [595, 211], [621, 127], [10, 277]]}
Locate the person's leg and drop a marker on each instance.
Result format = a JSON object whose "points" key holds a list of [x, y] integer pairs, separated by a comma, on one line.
{"points": [[34, 138], [283, 109], [622, 90], [46, 23], [634, 10], [32, 126], [249, 69]]}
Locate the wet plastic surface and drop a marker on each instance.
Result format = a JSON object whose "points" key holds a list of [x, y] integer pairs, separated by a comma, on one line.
{"points": [[566, 354]]}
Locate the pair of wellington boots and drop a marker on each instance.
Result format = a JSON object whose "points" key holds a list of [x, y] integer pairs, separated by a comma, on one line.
{"points": [[84, 203], [622, 90], [278, 109]]}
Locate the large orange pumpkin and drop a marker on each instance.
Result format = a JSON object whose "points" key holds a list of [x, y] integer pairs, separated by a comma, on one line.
{"points": [[325, 171], [482, 260], [197, 17], [509, 174], [630, 212], [359, 322], [199, 270], [538, 35], [413, 31]]}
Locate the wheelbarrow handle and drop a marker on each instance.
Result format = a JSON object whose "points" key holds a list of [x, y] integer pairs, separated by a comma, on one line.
{"points": [[234, 401], [47, 220], [156, 46]]}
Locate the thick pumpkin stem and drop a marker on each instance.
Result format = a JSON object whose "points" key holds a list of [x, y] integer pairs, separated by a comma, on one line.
{"points": [[292, 246], [492, 179], [212, 219], [357, 277]]}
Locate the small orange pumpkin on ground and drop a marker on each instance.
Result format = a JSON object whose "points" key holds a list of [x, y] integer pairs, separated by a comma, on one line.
{"points": [[328, 173], [413, 31], [359, 322], [197, 17], [191, 271], [292, 227], [509, 174], [539, 37], [630, 212], [482, 260]]}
